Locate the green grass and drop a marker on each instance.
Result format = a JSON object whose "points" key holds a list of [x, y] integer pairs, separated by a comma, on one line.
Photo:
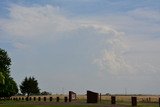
{"points": [[127, 104], [43, 106], [62, 106]]}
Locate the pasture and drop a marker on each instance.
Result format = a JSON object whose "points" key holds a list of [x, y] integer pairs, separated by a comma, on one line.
{"points": [[121, 101]]}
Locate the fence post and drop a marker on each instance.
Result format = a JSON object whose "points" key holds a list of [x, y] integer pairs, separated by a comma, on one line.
{"points": [[34, 98], [70, 96], [65, 99], [50, 98], [113, 99], [159, 102], [39, 98], [26, 98], [57, 99], [100, 97], [44, 98], [30, 98], [134, 101]]}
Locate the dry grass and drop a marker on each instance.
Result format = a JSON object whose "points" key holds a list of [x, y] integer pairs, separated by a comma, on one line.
{"points": [[119, 98]]}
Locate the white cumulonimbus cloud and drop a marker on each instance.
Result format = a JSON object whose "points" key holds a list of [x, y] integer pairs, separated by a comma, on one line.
{"points": [[111, 58], [46, 23]]}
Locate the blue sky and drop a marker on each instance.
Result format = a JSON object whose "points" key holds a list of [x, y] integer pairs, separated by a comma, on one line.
{"points": [[101, 45]]}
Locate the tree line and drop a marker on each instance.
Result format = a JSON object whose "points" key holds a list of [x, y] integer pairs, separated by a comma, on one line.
{"points": [[8, 87]]}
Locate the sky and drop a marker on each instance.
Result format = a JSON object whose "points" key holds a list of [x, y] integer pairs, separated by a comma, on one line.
{"points": [[107, 46]]}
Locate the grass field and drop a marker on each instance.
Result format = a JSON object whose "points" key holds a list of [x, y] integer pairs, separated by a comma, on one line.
{"points": [[53, 104], [42, 106], [121, 101], [72, 106]]}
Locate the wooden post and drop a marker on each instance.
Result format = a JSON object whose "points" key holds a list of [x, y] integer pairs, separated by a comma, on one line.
{"points": [[100, 97], [34, 98], [57, 99], [65, 99], [39, 98], [44, 98], [134, 101], [113, 100], [70, 96], [26, 98], [50, 99], [159, 102]]}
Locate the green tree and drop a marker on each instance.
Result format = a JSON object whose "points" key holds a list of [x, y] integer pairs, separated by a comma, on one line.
{"points": [[5, 62], [8, 86], [46, 93], [29, 86], [2, 78]]}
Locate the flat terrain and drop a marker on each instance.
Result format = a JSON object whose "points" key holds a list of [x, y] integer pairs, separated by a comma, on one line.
{"points": [[121, 101], [53, 104], [63, 104]]}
